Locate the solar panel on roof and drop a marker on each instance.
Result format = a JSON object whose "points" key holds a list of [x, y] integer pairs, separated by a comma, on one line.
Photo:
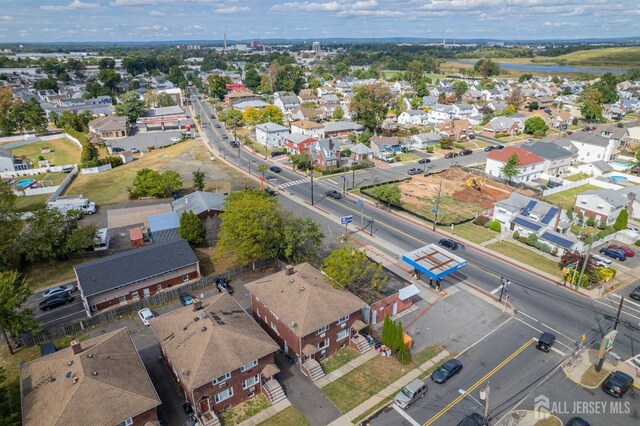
{"points": [[562, 242], [526, 223], [550, 214], [529, 207]]}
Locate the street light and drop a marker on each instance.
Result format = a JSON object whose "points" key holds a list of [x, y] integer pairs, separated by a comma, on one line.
{"points": [[485, 406], [504, 283], [465, 393]]}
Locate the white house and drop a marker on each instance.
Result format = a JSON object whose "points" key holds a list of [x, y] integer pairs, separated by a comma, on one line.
{"points": [[423, 140], [530, 165], [271, 134], [606, 204], [440, 113], [593, 147], [413, 118], [308, 128], [556, 158], [287, 103]]}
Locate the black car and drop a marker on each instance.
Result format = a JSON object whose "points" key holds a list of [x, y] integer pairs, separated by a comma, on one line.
{"points": [[473, 419], [577, 421], [333, 194], [117, 149], [424, 161], [451, 155], [234, 144], [489, 148], [55, 301], [446, 371], [545, 342], [186, 299], [270, 192], [465, 152], [635, 294], [276, 153], [450, 244], [275, 169], [499, 147], [223, 284], [217, 126], [617, 384]]}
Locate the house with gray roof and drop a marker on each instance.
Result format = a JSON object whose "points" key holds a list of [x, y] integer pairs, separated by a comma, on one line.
{"points": [[412, 117], [325, 153], [556, 158], [271, 134], [287, 103], [204, 204], [135, 274], [341, 128], [606, 204], [423, 140], [591, 147]]}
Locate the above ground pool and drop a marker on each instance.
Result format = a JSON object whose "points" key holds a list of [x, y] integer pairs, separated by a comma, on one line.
{"points": [[25, 183]]}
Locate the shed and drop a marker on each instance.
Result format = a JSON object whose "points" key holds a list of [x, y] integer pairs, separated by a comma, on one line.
{"points": [[136, 237], [163, 221]]}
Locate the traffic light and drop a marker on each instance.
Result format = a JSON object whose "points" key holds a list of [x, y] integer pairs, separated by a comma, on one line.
{"points": [[583, 338]]}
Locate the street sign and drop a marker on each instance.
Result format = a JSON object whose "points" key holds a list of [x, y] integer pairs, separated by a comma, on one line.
{"points": [[435, 211], [360, 201], [309, 173], [346, 219], [607, 343]]}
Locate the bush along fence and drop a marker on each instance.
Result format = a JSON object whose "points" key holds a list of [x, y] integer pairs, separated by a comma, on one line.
{"points": [[168, 295], [364, 189]]}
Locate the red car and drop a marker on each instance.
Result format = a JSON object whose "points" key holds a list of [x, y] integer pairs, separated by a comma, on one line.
{"points": [[626, 250]]}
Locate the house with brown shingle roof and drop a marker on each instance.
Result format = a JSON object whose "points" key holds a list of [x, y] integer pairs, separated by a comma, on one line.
{"points": [[218, 355], [457, 129], [110, 127], [308, 317], [99, 382]]}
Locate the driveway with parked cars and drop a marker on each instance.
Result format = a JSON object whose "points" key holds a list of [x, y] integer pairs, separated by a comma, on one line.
{"points": [[143, 140]]}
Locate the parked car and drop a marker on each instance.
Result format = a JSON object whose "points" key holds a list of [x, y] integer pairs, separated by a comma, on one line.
{"points": [[60, 289], [586, 129], [413, 391], [333, 194], [499, 147], [446, 371], [424, 161], [234, 144], [414, 171], [223, 284], [633, 228], [617, 384], [626, 250], [465, 152], [450, 244], [601, 261], [186, 299], [135, 150], [635, 294], [175, 139], [552, 184], [451, 155], [225, 137], [577, 421], [55, 301], [213, 116], [145, 315], [615, 254], [275, 169], [489, 148], [276, 153], [117, 149], [386, 159], [473, 419], [217, 126], [270, 192], [545, 342]]}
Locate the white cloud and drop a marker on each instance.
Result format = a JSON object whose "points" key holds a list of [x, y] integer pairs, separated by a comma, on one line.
{"points": [[127, 3], [74, 5], [6, 18], [308, 6], [157, 13], [23, 33], [155, 27], [232, 9], [559, 24]]}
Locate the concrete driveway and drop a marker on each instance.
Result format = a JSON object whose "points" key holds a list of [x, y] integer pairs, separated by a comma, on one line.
{"points": [[117, 218]]}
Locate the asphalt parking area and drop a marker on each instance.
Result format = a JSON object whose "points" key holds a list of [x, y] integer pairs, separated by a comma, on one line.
{"points": [[145, 140], [117, 218]]}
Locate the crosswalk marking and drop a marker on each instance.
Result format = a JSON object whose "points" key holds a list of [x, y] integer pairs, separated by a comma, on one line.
{"points": [[634, 362], [292, 183]]}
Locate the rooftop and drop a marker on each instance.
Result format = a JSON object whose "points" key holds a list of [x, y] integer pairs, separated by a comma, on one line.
{"points": [[525, 157], [199, 202]]}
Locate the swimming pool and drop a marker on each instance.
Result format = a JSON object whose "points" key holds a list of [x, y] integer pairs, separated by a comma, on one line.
{"points": [[25, 183], [617, 179], [622, 163]]}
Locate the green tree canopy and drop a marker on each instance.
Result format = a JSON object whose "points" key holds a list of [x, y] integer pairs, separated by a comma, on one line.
{"points": [[535, 126], [591, 105], [14, 291], [130, 106], [388, 193], [486, 68], [461, 88], [218, 85], [198, 179], [351, 269], [338, 113], [151, 183], [511, 167], [622, 220], [370, 104], [191, 228], [251, 79], [109, 79]]}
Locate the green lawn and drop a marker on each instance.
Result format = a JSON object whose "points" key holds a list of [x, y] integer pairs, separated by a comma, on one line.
{"points": [[290, 416], [62, 152], [402, 157], [45, 274], [31, 202], [245, 410], [527, 256], [567, 198], [337, 360], [576, 177], [474, 233]]}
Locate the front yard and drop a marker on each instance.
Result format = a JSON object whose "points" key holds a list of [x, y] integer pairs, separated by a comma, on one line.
{"points": [[290, 416], [337, 360], [245, 410], [527, 256], [474, 233], [566, 199]]}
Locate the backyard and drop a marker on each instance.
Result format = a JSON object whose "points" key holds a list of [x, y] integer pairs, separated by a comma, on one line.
{"points": [[567, 198], [63, 152], [527, 256]]}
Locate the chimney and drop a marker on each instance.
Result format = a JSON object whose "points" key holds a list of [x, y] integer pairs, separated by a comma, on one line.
{"points": [[76, 346], [288, 270]]}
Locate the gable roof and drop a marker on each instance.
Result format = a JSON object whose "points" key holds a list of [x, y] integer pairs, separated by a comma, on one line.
{"points": [[304, 298], [342, 126], [199, 202], [548, 150], [121, 388], [610, 196], [109, 123], [205, 344], [271, 127], [124, 268], [525, 157], [307, 124], [589, 139]]}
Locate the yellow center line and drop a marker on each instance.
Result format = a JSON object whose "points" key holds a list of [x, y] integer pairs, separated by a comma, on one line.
{"points": [[479, 382]]}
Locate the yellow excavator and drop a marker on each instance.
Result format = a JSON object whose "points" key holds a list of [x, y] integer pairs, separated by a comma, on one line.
{"points": [[475, 183]]}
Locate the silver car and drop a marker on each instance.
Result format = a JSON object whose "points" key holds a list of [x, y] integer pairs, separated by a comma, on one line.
{"points": [[410, 393], [61, 289]]}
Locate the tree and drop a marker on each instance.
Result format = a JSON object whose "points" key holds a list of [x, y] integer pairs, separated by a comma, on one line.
{"points": [[515, 97], [48, 83], [198, 179], [314, 83], [532, 239], [447, 142], [301, 239], [28, 116], [289, 79], [486, 68], [165, 100], [218, 85], [151, 183], [14, 291], [151, 98], [387, 331], [191, 228], [511, 167], [591, 105], [535, 126], [533, 105], [89, 153], [251, 79], [109, 79], [272, 114], [415, 71], [370, 104], [460, 88], [130, 106], [389, 194], [342, 69], [233, 120], [338, 113], [622, 220], [107, 63], [350, 269], [250, 227], [10, 227], [252, 116], [525, 77], [398, 342], [301, 161]]}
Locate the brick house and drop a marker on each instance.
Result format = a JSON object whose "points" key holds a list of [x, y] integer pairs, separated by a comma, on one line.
{"points": [[101, 382], [297, 143], [218, 355], [135, 274], [110, 127], [325, 153], [307, 316], [457, 129]]}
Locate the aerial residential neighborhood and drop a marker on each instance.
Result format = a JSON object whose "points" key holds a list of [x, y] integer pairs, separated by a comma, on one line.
{"points": [[310, 218]]}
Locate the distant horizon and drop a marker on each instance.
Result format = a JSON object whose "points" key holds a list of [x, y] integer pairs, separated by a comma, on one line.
{"points": [[95, 21]]}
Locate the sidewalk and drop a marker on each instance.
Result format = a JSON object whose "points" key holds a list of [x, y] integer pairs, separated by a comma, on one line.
{"points": [[266, 414], [526, 418], [588, 359], [347, 419]]}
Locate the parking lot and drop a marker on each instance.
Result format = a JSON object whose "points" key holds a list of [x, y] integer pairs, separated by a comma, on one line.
{"points": [[61, 315], [630, 265], [143, 140]]}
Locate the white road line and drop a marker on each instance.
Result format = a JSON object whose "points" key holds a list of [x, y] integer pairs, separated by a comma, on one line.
{"points": [[405, 415], [634, 361], [486, 335], [496, 290], [60, 318], [528, 316], [634, 306], [540, 331], [558, 351], [556, 331], [332, 181]]}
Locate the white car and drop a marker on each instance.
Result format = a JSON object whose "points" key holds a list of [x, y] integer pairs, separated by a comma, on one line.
{"points": [[175, 139], [61, 289], [145, 315]]}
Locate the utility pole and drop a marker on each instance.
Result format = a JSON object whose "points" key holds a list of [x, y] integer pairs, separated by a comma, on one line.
{"points": [[586, 260], [435, 222], [617, 323], [504, 283], [486, 405], [311, 172], [353, 179]]}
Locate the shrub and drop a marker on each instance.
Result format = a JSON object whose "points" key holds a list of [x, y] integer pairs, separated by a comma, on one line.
{"points": [[430, 149], [516, 235], [591, 221], [41, 158], [494, 225], [481, 220], [602, 224], [637, 243], [459, 146], [531, 240], [574, 121]]}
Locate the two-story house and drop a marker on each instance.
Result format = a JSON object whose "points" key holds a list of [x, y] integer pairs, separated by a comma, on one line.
{"points": [[218, 355], [556, 158], [287, 103], [297, 143], [413, 118], [439, 113], [593, 147], [530, 165], [271, 134], [308, 317], [325, 153], [501, 126], [606, 204], [308, 128], [457, 129]]}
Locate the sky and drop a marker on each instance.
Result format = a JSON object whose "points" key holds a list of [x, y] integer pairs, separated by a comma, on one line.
{"points": [[158, 20]]}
